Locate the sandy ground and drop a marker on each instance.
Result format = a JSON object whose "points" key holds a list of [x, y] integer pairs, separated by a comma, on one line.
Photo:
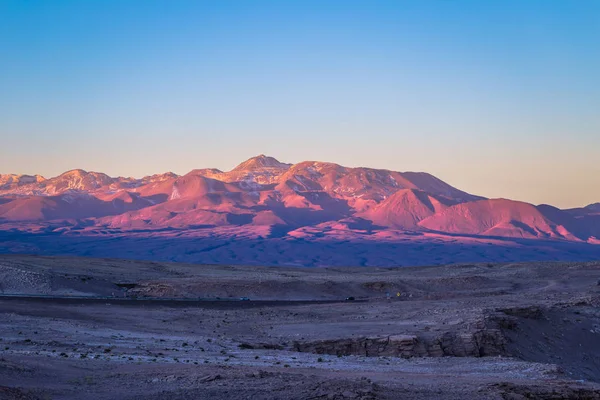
{"points": [[489, 331]]}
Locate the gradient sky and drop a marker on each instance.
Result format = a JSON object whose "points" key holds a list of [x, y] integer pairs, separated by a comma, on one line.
{"points": [[498, 98]]}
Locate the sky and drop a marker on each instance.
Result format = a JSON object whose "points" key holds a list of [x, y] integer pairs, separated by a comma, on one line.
{"points": [[499, 98]]}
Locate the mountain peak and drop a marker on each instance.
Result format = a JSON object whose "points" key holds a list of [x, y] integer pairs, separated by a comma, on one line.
{"points": [[259, 162], [73, 173]]}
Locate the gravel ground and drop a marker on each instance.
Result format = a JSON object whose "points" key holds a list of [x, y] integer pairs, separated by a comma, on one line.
{"points": [[511, 331]]}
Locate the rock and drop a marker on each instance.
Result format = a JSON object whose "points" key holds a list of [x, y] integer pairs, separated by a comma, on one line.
{"points": [[531, 312], [488, 342], [566, 390], [209, 378]]}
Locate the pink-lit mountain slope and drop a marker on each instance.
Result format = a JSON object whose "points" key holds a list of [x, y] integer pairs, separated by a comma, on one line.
{"points": [[497, 217], [76, 180], [265, 193], [12, 181], [406, 208], [69, 206]]}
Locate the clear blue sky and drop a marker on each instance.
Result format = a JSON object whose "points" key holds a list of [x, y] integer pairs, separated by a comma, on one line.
{"points": [[499, 98]]}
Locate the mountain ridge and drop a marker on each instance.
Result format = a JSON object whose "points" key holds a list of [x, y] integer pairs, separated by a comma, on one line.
{"points": [[262, 191]]}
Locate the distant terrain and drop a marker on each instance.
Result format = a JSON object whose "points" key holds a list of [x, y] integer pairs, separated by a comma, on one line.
{"points": [[77, 328], [266, 212]]}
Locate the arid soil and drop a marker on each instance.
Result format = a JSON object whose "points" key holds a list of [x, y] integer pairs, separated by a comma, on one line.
{"points": [[486, 331]]}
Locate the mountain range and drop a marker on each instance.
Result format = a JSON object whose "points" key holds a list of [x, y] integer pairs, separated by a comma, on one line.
{"points": [[263, 191], [266, 212]]}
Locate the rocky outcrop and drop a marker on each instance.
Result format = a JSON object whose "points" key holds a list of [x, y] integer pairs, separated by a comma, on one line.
{"points": [[485, 342], [557, 391], [531, 312]]}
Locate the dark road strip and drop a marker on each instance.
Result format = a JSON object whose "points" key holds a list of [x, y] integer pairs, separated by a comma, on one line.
{"points": [[163, 302]]}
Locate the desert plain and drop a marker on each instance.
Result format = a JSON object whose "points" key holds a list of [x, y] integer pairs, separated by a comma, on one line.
{"points": [[73, 328]]}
